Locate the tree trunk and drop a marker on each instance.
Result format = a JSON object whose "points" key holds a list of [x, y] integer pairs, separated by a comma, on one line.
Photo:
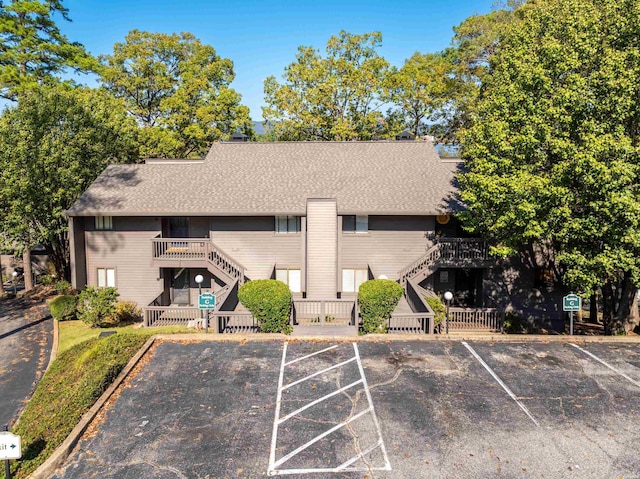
{"points": [[623, 318], [26, 264], [593, 308], [58, 252], [608, 306]]}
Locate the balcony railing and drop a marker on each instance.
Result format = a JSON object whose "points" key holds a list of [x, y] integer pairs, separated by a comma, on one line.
{"points": [[450, 252], [197, 249], [417, 323]]}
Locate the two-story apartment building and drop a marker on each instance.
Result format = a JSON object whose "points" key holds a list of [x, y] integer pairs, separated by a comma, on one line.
{"points": [[321, 216]]}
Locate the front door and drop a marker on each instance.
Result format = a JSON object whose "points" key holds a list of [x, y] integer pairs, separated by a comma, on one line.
{"points": [[180, 286]]}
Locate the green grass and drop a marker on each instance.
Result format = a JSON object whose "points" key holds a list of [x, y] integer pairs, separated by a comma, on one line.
{"points": [[76, 379]]}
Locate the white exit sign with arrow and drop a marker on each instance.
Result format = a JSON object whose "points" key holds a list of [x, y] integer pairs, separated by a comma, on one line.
{"points": [[10, 446]]}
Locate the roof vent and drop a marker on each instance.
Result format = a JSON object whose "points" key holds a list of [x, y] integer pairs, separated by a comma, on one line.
{"points": [[238, 137], [406, 135]]}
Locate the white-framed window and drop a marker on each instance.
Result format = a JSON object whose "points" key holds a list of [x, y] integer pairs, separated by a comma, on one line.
{"points": [[104, 222], [355, 224], [290, 277], [288, 224], [106, 277], [352, 279]]}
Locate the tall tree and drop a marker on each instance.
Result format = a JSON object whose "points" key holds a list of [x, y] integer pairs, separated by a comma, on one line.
{"points": [[32, 49], [553, 152], [421, 89], [335, 97], [53, 144], [177, 89], [474, 43]]}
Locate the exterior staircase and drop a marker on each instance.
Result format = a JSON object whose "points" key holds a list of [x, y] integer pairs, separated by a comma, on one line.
{"points": [[197, 253], [449, 253]]}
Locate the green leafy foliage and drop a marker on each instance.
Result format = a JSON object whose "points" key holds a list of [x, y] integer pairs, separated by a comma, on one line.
{"points": [[513, 324], [95, 305], [377, 298], [63, 308], [553, 149], [62, 287], [33, 49], [332, 97], [269, 301], [438, 307], [126, 312], [53, 145], [178, 89]]}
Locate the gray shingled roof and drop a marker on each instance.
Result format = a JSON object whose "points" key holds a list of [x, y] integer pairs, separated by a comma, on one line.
{"points": [[383, 178]]}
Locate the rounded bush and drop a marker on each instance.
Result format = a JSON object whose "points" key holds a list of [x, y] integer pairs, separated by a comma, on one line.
{"points": [[269, 301], [438, 308], [63, 308], [377, 298], [96, 304]]}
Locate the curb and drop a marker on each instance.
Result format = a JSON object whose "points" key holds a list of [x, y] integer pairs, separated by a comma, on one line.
{"points": [[62, 452], [384, 338], [56, 343]]}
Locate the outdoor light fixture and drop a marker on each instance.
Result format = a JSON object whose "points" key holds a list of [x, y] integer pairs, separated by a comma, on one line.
{"points": [[199, 279], [383, 276], [448, 296]]}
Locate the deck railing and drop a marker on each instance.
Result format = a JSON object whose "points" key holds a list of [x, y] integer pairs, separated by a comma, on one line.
{"points": [[330, 311], [170, 315], [465, 319], [417, 323], [228, 322], [448, 250], [197, 249]]}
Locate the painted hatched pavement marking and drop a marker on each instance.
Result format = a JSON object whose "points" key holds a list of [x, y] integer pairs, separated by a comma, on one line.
{"points": [[369, 411]]}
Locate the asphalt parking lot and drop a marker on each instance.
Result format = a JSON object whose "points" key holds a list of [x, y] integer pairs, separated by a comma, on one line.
{"points": [[401, 409]]}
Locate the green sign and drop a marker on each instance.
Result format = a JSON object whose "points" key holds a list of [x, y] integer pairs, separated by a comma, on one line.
{"points": [[571, 302], [207, 301]]}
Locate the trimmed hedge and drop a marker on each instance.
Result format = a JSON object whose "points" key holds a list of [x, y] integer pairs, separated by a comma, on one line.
{"points": [[377, 298], [438, 308], [269, 300], [63, 308]]}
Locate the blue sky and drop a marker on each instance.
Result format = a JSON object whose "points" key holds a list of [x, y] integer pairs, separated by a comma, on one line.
{"points": [[262, 37]]}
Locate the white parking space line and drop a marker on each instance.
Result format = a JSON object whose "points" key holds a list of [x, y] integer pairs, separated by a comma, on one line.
{"points": [[335, 366], [373, 411], [348, 465], [312, 354], [317, 401], [632, 381], [501, 383]]}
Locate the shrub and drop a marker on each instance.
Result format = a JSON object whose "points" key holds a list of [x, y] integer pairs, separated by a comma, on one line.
{"points": [[126, 312], [438, 307], [62, 287], [512, 324], [269, 301], [63, 307], [96, 304], [377, 299]]}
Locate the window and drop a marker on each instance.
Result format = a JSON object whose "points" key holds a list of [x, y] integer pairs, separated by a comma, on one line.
{"points": [[352, 279], [355, 224], [106, 277], [104, 222], [290, 277], [287, 224]]}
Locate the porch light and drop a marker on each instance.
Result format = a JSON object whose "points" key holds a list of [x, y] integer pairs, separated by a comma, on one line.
{"points": [[199, 279], [448, 296], [15, 290], [383, 276]]}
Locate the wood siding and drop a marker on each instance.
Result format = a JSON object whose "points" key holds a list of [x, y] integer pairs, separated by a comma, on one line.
{"points": [[127, 249], [322, 248], [392, 243], [77, 252], [253, 242]]}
